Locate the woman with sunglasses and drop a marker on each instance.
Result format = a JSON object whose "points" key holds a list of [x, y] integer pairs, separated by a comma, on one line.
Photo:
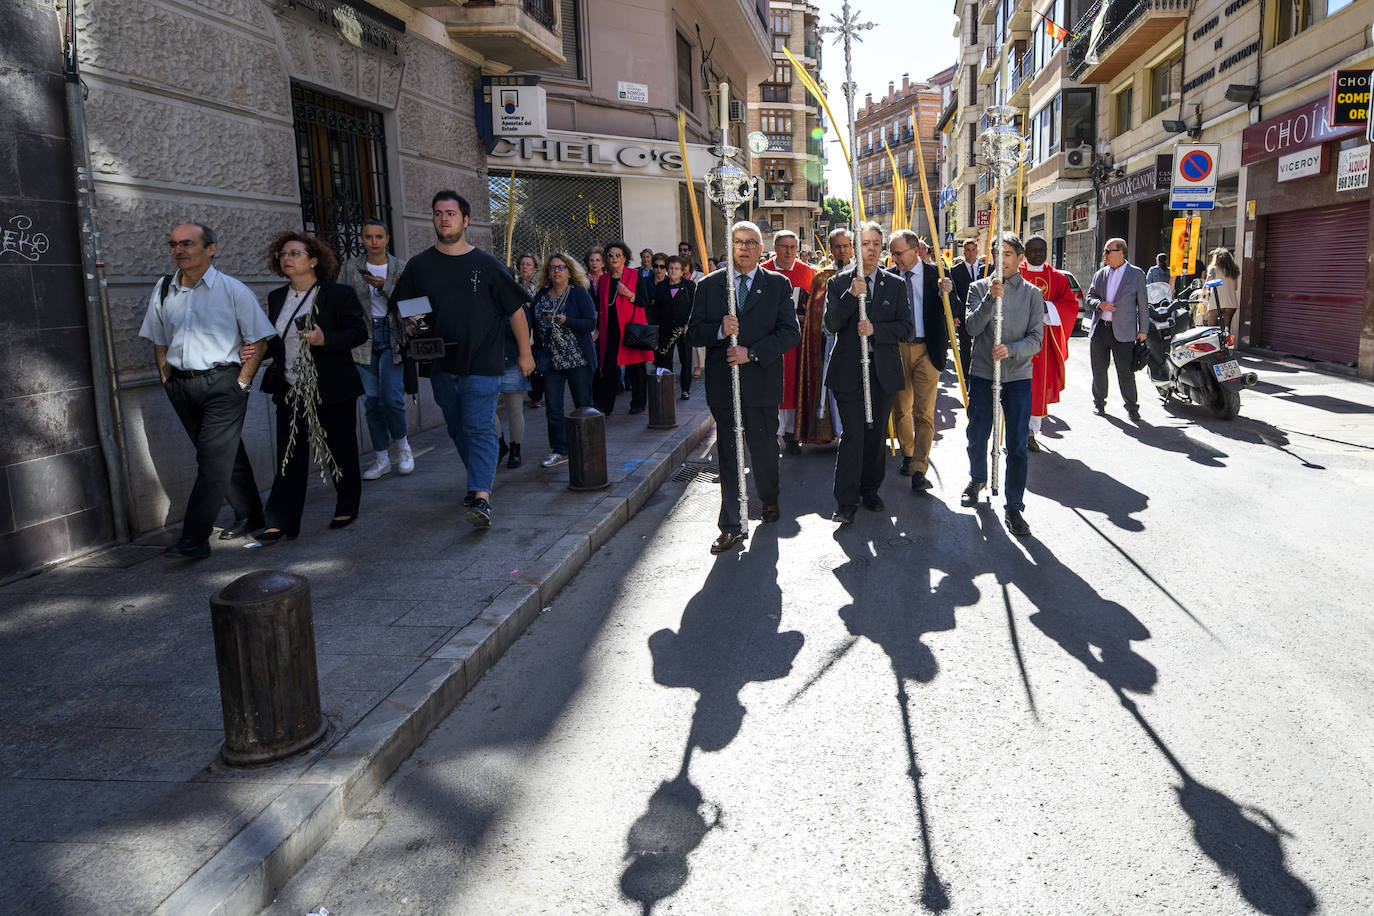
{"points": [[564, 318], [621, 298]]}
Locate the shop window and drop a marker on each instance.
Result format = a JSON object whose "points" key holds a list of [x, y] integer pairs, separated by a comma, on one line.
{"points": [[685, 96], [1166, 84], [569, 213], [341, 164], [1123, 104]]}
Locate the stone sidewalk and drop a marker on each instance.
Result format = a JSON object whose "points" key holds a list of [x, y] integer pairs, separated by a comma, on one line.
{"points": [[110, 779]]}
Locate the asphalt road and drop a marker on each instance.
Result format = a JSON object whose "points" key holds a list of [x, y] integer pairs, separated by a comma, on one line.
{"points": [[1160, 702]]}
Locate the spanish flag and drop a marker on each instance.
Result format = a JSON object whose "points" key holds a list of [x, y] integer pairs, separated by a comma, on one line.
{"points": [[1057, 32]]}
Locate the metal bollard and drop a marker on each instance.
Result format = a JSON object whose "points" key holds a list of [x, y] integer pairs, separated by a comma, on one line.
{"points": [[587, 449], [265, 651], [662, 400]]}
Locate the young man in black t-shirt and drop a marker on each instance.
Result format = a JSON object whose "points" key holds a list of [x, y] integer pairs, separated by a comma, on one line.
{"points": [[471, 295]]}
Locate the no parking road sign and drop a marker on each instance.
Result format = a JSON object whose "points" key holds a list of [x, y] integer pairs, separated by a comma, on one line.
{"points": [[1195, 176]]}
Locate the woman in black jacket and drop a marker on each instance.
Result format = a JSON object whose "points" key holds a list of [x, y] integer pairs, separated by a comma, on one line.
{"points": [[318, 323], [671, 311]]}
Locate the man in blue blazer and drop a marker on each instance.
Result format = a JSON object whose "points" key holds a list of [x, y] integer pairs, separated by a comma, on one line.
{"points": [[862, 462], [1120, 317], [766, 322]]}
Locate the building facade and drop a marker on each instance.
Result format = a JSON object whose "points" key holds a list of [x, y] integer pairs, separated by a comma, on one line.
{"points": [[884, 127], [609, 165], [791, 171], [1104, 108]]}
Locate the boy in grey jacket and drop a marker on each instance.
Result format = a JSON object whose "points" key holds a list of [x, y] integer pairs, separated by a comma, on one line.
{"points": [[1023, 329]]}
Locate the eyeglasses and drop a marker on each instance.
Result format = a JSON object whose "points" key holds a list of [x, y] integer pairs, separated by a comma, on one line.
{"points": [[660, 267], [184, 244], [746, 243], [1110, 250], [293, 253], [553, 267]]}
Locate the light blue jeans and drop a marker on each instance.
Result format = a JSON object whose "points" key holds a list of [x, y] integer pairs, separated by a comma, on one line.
{"points": [[468, 403], [384, 396]]}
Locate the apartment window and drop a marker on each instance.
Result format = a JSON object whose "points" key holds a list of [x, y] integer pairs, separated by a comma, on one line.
{"points": [[1123, 104], [341, 165], [777, 170], [782, 73], [972, 26], [1079, 116], [780, 21], [572, 43], [775, 122], [972, 85], [1293, 17], [1166, 84], [685, 97]]}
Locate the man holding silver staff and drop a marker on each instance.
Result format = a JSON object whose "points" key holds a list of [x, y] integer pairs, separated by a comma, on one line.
{"points": [[1023, 329], [861, 463], [766, 325]]}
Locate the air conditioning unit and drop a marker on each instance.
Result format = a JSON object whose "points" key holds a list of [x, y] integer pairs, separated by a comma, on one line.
{"points": [[737, 111], [1080, 158]]}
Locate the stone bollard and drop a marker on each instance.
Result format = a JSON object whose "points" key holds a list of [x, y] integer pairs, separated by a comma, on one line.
{"points": [[265, 651], [587, 449], [662, 400]]}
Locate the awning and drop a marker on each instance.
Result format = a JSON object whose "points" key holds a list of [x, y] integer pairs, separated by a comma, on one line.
{"points": [[1059, 190]]}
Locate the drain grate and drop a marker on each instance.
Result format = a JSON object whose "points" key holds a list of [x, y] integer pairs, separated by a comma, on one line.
{"points": [[690, 473]]}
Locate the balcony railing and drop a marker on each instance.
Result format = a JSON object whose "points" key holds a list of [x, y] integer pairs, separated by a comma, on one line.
{"points": [[813, 192], [972, 160], [984, 183], [1121, 17], [777, 191], [809, 48], [908, 170], [541, 11], [1023, 70], [775, 92], [779, 143]]}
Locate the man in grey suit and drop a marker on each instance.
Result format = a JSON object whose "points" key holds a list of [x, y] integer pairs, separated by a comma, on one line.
{"points": [[1120, 318]]}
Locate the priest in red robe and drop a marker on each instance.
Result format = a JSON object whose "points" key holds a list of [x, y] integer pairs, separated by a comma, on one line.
{"points": [[799, 274], [1061, 310]]}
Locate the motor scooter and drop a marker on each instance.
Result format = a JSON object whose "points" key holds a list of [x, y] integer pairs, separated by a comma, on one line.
{"points": [[1192, 364]]}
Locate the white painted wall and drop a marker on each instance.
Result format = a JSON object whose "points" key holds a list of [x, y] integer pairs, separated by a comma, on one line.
{"points": [[649, 215]]}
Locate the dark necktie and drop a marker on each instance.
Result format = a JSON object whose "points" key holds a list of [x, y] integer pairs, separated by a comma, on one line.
{"points": [[911, 296], [742, 294]]}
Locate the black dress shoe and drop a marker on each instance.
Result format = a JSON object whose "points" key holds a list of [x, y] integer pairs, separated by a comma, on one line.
{"points": [[905, 470], [873, 502], [189, 548], [272, 535], [240, 528], [636, 410], [1100, 409], [1133, 413], [970, 494], [920, 482], [337, 523], [727, 541], [844, 514], [792, 448], [1016, 524], [771, 514]]}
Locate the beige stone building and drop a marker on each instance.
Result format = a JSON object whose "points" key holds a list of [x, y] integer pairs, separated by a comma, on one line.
{"points": [[791, 171], [1105, 108], [609, 165]]}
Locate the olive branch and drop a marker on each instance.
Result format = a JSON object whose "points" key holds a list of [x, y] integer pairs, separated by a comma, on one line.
{"points": [[303, 400]]}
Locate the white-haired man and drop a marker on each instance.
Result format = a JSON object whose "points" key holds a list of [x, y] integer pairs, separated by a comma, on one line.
{"points": [[765, 321]]}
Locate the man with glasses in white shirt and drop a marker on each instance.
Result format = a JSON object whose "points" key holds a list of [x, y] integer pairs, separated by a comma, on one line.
{"points": [[197, 319]]}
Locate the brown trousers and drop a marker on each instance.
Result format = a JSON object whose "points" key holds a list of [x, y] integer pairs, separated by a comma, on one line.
{"points": [[913, 408]]}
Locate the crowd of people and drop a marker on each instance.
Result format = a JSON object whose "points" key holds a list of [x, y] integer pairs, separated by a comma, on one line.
{"points": [[506, 338]]}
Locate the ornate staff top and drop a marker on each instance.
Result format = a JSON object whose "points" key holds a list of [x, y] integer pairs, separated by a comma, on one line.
{"points": [[1002, 142]]}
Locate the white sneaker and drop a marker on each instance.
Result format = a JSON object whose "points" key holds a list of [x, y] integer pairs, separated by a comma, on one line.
{"points": [[379, 467], [554, 460], [406, 462]]}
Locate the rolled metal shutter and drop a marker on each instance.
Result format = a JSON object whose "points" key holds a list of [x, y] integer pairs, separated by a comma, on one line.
{"points": [[1314, 282]]}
